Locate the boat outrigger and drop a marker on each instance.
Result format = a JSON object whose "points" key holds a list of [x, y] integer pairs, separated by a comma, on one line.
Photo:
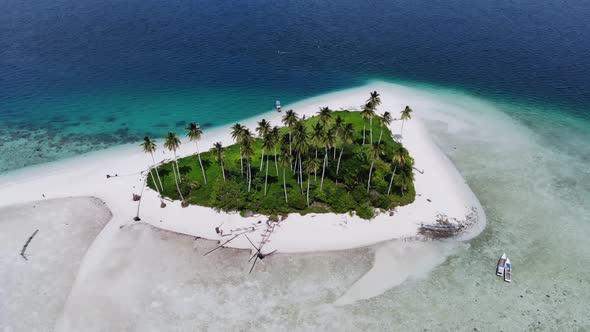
{"points": [[278, 105], [501, 265], [508, 271]]}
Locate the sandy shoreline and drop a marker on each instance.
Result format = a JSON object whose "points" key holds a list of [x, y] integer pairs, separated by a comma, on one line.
{"points": [[440, 189]]}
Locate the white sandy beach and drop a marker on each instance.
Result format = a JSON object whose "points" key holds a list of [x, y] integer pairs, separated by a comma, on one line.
{"points": [[440, 189]]}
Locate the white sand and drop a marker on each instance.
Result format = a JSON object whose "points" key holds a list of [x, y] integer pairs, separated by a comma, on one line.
{"points": [[33, 292], [86, 176]]}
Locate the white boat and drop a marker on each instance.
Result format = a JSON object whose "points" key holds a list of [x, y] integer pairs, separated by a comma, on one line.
{"points": [[278, 105], [501, 263], [508, 271]]}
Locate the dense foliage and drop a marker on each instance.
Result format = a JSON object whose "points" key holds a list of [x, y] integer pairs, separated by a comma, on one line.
{"points": [[344, 188]]}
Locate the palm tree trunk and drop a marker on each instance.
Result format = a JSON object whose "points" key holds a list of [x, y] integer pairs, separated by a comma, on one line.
{"points": [[338, 165], [276, 164], [140, 198], [249, 175], [364, 131], [157, 174], [324, 169], [334, 152], [401, 133], [285, 185], [176, 181], [222, 171], [371, 128], [380, 135], [241, 162], [155, 184], [391, 181], [308, 176], [370, 173], [315, 172], [300, 173], [294, 169], [293, 166], [177, 168], [266, 176], [262, 159], [201, 163]]}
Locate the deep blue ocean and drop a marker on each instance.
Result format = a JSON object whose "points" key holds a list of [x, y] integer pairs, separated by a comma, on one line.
{"points": [[77, 76]]}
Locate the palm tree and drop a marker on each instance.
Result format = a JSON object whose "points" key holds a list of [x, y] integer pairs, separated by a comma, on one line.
{"points": [[236, 134], [347, 137], [398, 160], [149, 146], [375, 152], [274, 134], [194, 133], [290, 119], [263, 129], [325, 115], [300, 146], [219, 154], [338, 127], [267, 144], [330, 142], [375, 101], [171, 142], [366, 113], [285, 162], [317, 139], [248, 152], [404, 181], [311, 165], [406, 115], [384, 120]]}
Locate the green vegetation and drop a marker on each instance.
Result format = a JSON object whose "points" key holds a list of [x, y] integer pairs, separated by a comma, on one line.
{"points": [[331, 162]]}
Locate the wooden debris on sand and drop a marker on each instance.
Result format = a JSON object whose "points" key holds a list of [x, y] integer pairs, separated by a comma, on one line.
{"points": [[22, 252]]}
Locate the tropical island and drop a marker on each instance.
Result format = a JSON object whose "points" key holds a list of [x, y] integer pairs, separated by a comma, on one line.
{"points": [[335, 161], [369, 163]]}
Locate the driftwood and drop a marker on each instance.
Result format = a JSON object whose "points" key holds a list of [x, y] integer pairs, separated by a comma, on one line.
{"points": [[221, 245], [419, 171], [22, 252], [265, 236]]}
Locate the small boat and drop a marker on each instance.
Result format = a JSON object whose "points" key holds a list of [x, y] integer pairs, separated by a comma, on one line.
{"points": [[501, 263], [278, 105], [508, 271]]}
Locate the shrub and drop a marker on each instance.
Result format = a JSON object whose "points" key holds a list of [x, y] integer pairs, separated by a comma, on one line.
{"points": [[227, 196], [297, 200], [365, 211], [187, 186], [359, 193], [342, 201]]}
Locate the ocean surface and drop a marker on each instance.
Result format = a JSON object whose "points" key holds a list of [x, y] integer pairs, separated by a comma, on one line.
{"points": [[77, 76], [510, 79]]}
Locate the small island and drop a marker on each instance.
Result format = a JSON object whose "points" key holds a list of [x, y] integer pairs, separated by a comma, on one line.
{"points": [[335, 161]]}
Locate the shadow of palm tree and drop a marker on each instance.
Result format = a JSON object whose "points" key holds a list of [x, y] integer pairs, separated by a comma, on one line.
{"points": [[163, 172], [185, 170]]}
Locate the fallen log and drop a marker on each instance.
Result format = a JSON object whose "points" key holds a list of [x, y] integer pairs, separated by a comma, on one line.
{"points": [[22, 252]]}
